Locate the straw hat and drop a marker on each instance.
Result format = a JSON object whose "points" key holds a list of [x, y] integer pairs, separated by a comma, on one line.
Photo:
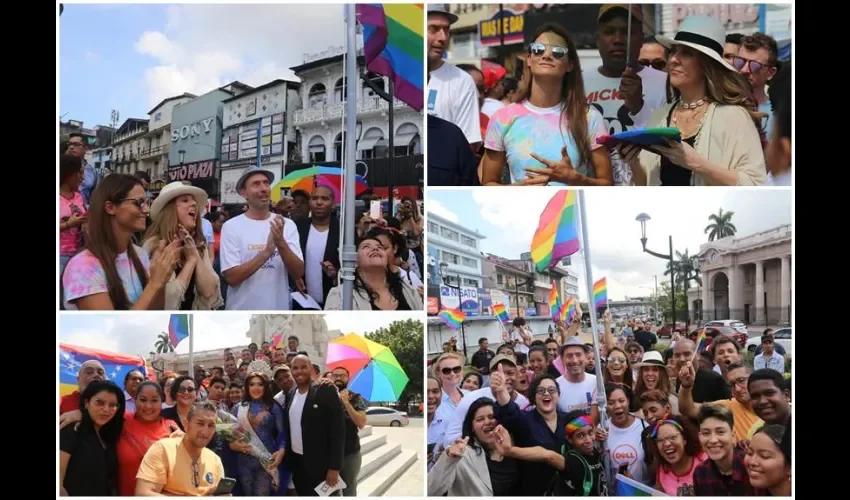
{"points": [[174, 190], [702, 33], [651, 358]]}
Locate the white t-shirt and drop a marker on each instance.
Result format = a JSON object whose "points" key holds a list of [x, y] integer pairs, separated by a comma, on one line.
{"points": [[295, 412], [625, 447], [317, 241], [491, 105], [574, 394], [242, 239], [452, 96], [410, 278], [520, 346], [454, 427], [603, 93]]}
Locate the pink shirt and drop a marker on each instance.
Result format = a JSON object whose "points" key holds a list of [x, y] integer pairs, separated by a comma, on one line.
{"points": [[71, 239], [679, 486]]}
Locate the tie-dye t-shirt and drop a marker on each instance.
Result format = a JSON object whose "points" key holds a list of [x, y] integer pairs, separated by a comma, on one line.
{"points": [[84, 276], [521, 129]]}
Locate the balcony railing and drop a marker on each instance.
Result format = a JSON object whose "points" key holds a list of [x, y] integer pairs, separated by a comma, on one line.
{"points": [[334, 111], [157, 151]]}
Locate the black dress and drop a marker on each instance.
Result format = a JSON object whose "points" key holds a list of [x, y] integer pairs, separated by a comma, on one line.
{"points": [[92, 470], [672, 174]]}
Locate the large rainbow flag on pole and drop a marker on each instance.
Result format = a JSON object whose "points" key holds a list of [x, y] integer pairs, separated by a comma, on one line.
{"points": [[116, 366], [178, 328], [393, 45], [557, 232]]}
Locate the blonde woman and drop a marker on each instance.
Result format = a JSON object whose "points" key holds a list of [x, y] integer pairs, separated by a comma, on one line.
{"points": [[715, 112], [176, 215]]}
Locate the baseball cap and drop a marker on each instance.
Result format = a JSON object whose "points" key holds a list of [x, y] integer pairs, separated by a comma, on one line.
{"points": [[499, 358], [441, 9], [637, 13]]}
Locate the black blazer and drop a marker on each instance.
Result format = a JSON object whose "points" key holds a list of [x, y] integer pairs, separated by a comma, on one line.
{"points": [[322, 429], [331, 251]]}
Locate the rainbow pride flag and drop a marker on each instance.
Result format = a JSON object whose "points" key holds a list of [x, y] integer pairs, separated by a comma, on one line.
{"points": [[569, 310], [627, 487], [452, 317], [116, 366], [178, 328], [557, 232], [393, 44], [600, 293], [500, 312], [702, 341], [555, 303]]}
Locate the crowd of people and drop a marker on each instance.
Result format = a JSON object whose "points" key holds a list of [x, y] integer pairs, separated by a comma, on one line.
{"points": [[729, 97], [525, 420], [121, 248], [164, 437]]}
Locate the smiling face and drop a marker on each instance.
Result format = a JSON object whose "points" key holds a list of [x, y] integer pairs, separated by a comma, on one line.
{"points": [[575, 360], [302, 370], [132, 381], [188, 212], [537, 362], [102, 407], [371, 254], [685, 67], [283, 378], [546, 396], [765, 463], [186, 393], [653, 411], [450, 371], [583, 439], [470, 383], [549, 57], [131, 212], [716, 438], [671, 444], [618, 407], [235, 394], [521, 383], [89, 372], [552, 351], [768, 401], [256, 387], [148, 404], [651, 376], [617, 364], [435, 395], [737, 380], [483, 424]]}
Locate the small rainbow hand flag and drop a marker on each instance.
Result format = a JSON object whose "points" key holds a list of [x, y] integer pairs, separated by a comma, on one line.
{"points": [[178, 328], [452, 317], [554, 303], [600, 294], [569, 310], [557, 232], [702, 342], [500, 312]]}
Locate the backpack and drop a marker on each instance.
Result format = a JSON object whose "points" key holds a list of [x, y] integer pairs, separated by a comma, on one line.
{"points": [[587, 482]]}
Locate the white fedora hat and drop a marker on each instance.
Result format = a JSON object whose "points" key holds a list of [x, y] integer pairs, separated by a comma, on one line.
{"points": [[176, 189], [651, 358], [703, 33]]}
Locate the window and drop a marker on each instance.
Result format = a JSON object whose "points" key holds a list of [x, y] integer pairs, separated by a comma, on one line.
{"points": [[372, 144], [338, 147], [317, 150], [340, 90], [467, 262], [466, 240], [407, 140], [464, 45], [318, 96], [449, 234], [433, 227], [470, 283], [500, 279], [157, 117], [784, 334], [378, 411], [450, 258]]}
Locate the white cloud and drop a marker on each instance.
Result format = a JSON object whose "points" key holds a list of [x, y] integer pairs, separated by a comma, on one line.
{"points": [[202, 47], [435, 207]]}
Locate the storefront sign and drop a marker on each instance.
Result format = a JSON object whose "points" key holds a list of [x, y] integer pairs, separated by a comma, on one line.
{"points": [[194, 130], [468, 301], [728, 14], [507, 21], [192, 171]]}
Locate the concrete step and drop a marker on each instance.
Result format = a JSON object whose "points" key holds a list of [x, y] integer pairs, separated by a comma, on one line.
{"points": [[376, 459], [365, 431], [371, 442], [380, 480]]}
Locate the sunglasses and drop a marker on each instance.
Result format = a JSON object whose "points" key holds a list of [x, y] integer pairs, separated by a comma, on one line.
{"points": [[558, 52], [740, 62], [139, 202], [449, 371], [183, 390], [659, 64], [615, 361]]}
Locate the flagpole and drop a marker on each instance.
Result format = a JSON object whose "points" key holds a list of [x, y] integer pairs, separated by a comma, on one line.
{"points": [[191, 345], [601, 398], [349, 250]]}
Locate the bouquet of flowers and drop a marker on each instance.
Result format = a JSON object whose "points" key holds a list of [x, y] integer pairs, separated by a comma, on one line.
{"points": [[227, 426]]}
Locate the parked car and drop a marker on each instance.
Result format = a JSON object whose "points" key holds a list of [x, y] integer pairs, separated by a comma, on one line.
{"points": [[380, 416], [781, 336], [713, 331], [731, 323], [666, 331]]}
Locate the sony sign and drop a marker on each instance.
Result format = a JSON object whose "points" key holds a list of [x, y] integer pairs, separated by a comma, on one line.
{"points": [[202, 127]]}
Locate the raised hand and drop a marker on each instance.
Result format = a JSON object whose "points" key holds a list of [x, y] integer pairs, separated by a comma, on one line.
{"points": [[687, 374], [458, 447], [164, 261], [190, 248], [503, 441], [561, 171]]}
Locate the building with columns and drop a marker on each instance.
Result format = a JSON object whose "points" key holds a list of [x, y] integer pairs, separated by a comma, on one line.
{"points": [[745, 278]]}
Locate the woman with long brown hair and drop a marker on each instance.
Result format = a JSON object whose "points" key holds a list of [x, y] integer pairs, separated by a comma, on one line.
{"points": [[713, 108], [176, 215], [112, 273], [548, 136]]}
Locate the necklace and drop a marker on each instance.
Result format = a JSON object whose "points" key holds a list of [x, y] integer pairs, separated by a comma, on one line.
{"points": [[694, 104]]}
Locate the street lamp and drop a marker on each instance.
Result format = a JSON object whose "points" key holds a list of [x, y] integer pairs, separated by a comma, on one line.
{"points": [[643, 218], [182, 154], [444, 269]]}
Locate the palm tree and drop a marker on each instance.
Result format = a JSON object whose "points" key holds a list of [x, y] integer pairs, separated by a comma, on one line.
{"points": [[686, 266], [721, 225], [163, 344]]}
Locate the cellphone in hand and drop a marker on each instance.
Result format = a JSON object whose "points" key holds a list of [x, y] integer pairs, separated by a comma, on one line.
{"points": [[375, 209], [286, 192], [225, 486]]}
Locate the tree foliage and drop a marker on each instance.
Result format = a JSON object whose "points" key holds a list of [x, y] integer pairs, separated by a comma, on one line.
{"points": [[406, 340], [664, 302]]}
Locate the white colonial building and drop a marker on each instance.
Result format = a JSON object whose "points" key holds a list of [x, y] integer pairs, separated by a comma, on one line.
{"points": [[319, 121], [746, 278]]}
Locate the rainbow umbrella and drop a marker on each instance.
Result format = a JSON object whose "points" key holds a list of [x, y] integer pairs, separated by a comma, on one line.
{"points": [[374, 370], [306, 178]]}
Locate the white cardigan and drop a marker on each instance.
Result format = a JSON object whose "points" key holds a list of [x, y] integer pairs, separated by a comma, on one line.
{"points": [[728, 138]]}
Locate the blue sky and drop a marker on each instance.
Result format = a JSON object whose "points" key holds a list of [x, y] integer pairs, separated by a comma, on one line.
{"points": [[130, 57], [508, 217]]}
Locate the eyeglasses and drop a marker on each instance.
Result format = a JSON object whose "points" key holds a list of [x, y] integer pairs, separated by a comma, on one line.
{"points": [[542, 391], [616, 360], [76, 144], [139, 202], [183, 390], [755, 66], [448, 371], [659, 64], [671, 439], [739, 381], [99, 403], [196, 475], [558, 52]]}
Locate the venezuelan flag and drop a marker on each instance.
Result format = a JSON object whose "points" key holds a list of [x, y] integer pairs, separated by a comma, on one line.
{"points": [[393, 45], [116, 366], [452, 317]]}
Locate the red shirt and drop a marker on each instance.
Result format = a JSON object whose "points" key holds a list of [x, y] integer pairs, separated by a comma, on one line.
{"points": [[69, 402], [136, 438]]}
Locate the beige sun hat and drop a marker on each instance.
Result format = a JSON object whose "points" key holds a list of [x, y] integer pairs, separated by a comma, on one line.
{"points": [[175, 190]]}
